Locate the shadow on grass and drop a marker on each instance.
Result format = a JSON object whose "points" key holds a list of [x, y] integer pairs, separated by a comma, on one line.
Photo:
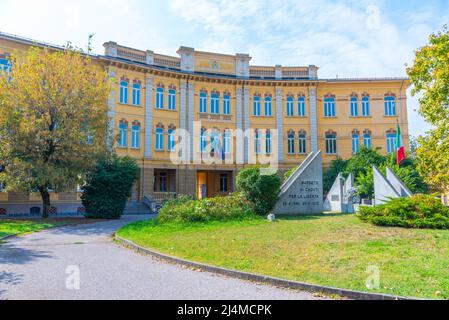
{"points": [[306, 217]]}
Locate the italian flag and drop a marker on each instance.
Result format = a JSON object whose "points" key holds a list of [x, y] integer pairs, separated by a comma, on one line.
{"points": [[400, 146]]}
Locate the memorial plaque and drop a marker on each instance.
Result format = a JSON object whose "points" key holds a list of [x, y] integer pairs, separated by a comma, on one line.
{"points": [[302, 193]]}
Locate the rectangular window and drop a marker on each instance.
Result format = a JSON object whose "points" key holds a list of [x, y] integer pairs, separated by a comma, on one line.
{"points": [[136, 94], [227, 142], [391, 143], [390, 106], [159, 139], [215, 104], [291, 144], [224, 183], [301, 107], [256, 106], [290, 107], [171, 100], [203, 102], [124, 92], [354, 107], [302, 144], [122, 135], [135, 137], [257, 143], [329, 107], [171, 141], [331, 144], [268, 107], [163, 182], [367, 140], [226, 105], [160, 98], [355, 143], [366, 107], [268, 144]]}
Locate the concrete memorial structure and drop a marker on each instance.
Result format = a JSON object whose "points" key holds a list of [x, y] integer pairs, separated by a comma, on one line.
{"points": [[340, 197], [302, 193], [387, 187]]}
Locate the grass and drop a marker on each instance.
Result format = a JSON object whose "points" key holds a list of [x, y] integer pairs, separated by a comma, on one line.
{"points": [[22, 226], [330, 250]]}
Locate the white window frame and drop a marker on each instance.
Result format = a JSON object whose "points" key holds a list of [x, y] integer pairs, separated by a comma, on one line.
{"points": [[136, 94], [291, 144], [268, 107], [329, 108], [135, 137], [302, 144], [159, 139], [354, 105], [214, 103], [290, 107], [366, 112], [172, 99], [301, 107], [367, 141], [355, 143], [331, 144], [226, 104], [256, 106], [203, 102], [160, 92]]}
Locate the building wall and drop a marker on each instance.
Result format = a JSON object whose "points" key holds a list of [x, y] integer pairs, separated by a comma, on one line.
{"points": [[242, 90]]}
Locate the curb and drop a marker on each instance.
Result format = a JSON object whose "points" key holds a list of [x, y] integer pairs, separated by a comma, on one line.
{"points": [[9, 237], [277, 282]]}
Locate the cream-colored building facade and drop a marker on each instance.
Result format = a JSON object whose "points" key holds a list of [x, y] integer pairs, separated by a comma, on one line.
{"points": [[284, 112]]}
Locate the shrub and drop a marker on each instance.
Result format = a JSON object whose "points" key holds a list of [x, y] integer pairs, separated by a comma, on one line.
{"points": [[185, 209], [289, 173], [420, 211], [261, 189], [108, 187]]}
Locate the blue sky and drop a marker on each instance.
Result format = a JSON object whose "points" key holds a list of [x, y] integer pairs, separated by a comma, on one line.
{"points": [[344, 38]]}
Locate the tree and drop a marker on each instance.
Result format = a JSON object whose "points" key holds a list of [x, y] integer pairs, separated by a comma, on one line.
{"points": [[108, 187], [429, 75], [260, 189], [338, 165], [53, 120]]}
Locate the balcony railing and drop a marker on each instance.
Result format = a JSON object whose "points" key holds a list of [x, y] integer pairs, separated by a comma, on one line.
{"points": [[163, 196]]}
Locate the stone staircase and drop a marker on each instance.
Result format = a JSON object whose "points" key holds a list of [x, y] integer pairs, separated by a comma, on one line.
{"points": [[134, 208]]}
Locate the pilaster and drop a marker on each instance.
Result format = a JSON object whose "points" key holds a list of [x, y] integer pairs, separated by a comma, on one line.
{"points": [[148, 117], [313, 116], [279, 125], [246, 124]]}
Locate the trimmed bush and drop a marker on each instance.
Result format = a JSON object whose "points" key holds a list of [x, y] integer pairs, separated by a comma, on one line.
{"points": [[420, 211], [108, 187], [185, 209], [261, 189]]}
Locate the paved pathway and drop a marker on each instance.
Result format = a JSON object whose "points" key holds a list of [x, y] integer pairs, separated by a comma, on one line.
{"points": [[34, 267]]}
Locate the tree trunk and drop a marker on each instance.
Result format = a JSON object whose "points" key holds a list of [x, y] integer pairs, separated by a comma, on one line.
{"points": [[45, 202]]}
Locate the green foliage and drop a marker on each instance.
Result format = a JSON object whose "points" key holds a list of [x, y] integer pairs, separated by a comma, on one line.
{"points": [[185, 210], [289, 173], [261, 189], [108, 187], [51, 103], [430, 78], [420, 211], [329, 176], [361, 165]]}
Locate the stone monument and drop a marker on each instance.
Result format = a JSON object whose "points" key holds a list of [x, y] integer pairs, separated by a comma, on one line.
{"points": [[341, 196], [388, 187], [302, 193]]}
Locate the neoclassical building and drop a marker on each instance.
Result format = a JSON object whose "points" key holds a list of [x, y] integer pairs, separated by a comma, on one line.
{"points": [[192, 121]]}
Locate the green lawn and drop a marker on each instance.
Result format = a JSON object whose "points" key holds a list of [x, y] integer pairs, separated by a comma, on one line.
{"points": [[331, 250], [9, 227]]}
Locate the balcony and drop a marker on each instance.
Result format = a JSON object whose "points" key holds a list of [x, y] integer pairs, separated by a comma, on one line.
{"points": [[163, 196], [215, 117]]}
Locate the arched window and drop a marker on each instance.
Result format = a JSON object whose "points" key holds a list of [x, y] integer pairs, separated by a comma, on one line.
{"points": [[123, 135], [329, 107], [124, 92], [203, 102], [268, 106], [302, 143], [135, 136], [171, 99], [391, 143], [355, 143], [215, 103], [159, 139], [301, 106], [390, 105], [256, 106], [136, 94], [171, 140], [291, 143], [354, 107], [367, 140], [160, 98], [290, 106], [268, 143], [366, 112], [331, 143], [227, 104]]}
